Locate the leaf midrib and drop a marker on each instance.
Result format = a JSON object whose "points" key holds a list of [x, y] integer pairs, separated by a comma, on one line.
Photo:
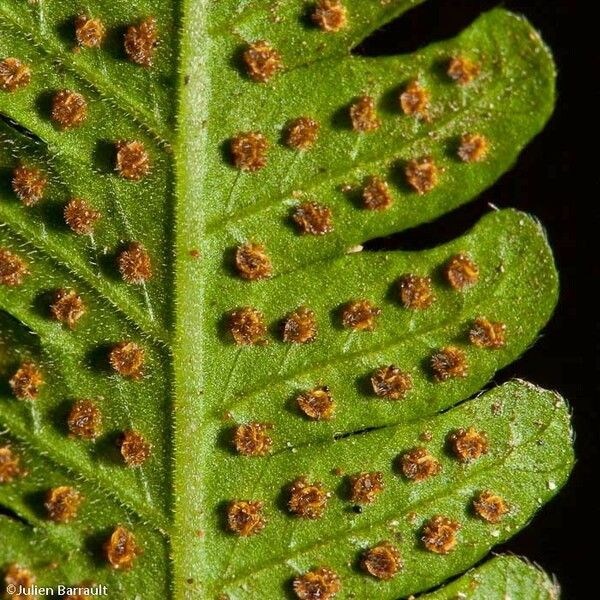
{"points": [[188, 361]]}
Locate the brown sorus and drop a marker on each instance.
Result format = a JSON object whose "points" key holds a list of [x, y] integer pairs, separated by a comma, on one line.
{"points": [[416, 291], [382, 561], [360, 315], [473, 147], [141, 41], [390, 382], [249, 151], [252, 262], [418, 465], [81, 217], [421, 174], [90, 33], [14, 75], [10, 465], [17, 577], [461, 271], [414, 100], [245, 517], [364, 115], [439, 534], [132, 161], [67, 307], [13, 269], [62, 503], [247, 326], [489, 506], [313, 218], [307, 500], [321, 583], [26, 382], [300, 326], [127, 359], [135, 450], [29, 184], [121, 549], [468, 444], [252, 439], [365, 486], [462, 70], [317, 404], [448, 363], [376, 194], [69, 109], [85, 420], [134, 264], [262, 61], [302, 133], [329, 15], [487, 334]]}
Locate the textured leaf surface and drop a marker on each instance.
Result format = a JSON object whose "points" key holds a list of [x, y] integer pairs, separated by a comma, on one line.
{"points": [[499, 578], [191, 212], [518, 467]]}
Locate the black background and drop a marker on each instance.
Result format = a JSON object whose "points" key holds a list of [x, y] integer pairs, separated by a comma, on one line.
{"points": [[547, 182]]}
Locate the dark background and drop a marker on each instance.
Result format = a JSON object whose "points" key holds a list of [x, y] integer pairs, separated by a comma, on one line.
{"points": [[549, 181]]}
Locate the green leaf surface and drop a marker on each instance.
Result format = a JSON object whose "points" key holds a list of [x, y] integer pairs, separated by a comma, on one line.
{"points": [[501, 577], [520, 468], [191, 212]]}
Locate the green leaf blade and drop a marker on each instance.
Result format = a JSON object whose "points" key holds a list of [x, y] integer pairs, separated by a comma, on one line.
{"points": [[191, 212], [510, 102], [498, 578], [517, 287], [75, 549], [523, 470], [143, 93]]}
